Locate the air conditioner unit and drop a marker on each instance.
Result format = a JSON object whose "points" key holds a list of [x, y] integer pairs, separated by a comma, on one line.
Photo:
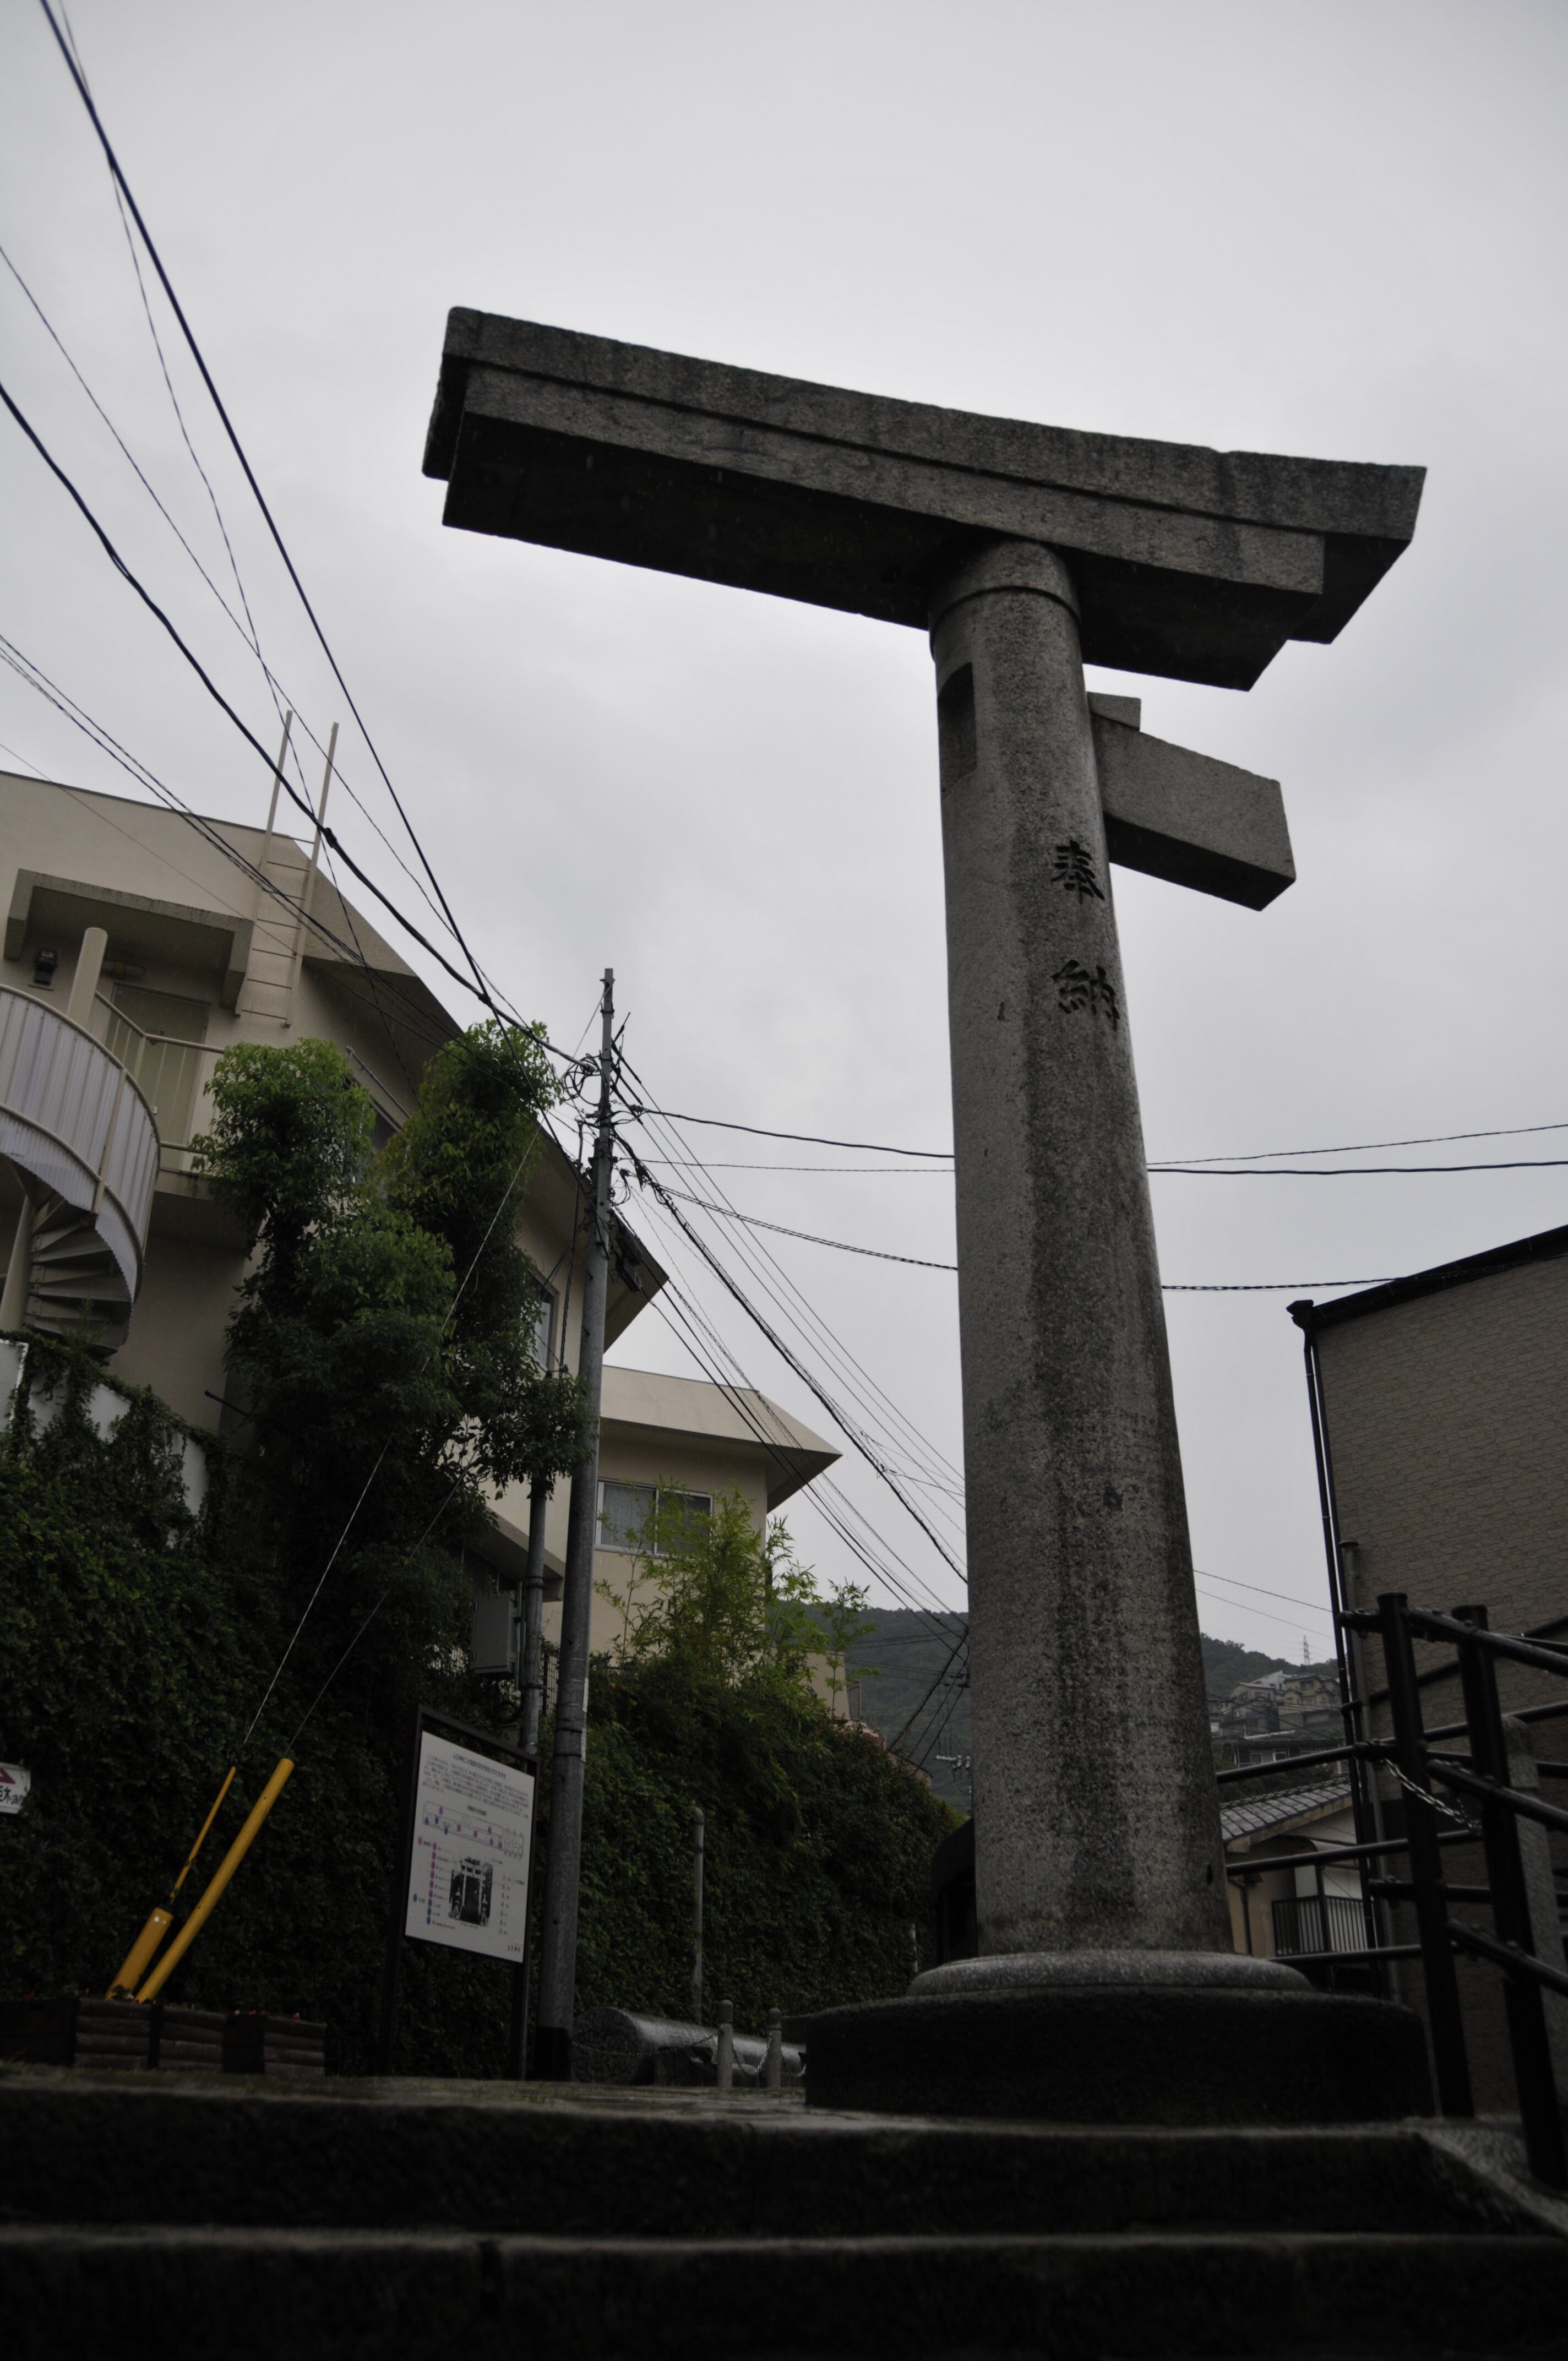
{"points": [[493, 1646]]}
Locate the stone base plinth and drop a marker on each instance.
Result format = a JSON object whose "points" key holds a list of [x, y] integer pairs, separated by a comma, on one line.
{"points": [[1122, 2051]]}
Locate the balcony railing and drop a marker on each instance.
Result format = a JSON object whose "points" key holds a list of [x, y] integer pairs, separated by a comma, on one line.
{"points": [[172, 1075], [73, 1120], [1313, 1923]]}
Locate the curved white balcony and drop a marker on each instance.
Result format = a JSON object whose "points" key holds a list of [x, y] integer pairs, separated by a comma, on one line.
{"points": [[83, 1138]]}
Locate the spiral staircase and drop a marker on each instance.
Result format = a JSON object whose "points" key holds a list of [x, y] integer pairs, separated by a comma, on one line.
{"points": [[81, 1138]]}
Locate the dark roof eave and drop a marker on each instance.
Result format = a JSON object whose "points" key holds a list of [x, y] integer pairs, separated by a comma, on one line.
{"points": [[1545, 1245]]}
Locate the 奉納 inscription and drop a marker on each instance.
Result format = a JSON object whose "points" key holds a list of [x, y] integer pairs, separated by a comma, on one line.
{"points": [[1072, 867], [1078, 988]]}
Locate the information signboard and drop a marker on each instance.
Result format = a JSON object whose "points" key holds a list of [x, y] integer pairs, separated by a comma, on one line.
{"points": [[462, 1869], [473, 1838]]}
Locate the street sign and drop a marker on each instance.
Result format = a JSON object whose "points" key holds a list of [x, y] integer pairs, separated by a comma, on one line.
{"points": [[15, 1781]]}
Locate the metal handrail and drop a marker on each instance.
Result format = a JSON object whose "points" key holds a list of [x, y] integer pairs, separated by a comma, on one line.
{"points": [[1482, 1777], [117, 1018]]}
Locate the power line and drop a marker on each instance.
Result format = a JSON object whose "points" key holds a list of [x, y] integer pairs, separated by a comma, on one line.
{"points": [[753, 1222], [684, 1321], [1372, 1147], [880, 1254], [809, 1139], [1357, 1171], [480, 990], [276, 688], [1315, 1605], [37, 679], [1196, 1166], [124, 187], [781, 1290]]}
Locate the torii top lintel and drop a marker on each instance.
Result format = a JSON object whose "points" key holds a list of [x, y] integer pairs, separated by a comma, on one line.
{"points": [[1194, 564]]}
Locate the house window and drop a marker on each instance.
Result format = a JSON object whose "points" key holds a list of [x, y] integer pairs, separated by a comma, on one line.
{"points": [[543, 1331], [626, 1510]]}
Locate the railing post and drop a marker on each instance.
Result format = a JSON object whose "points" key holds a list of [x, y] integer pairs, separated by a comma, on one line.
{"points": [[1527, 2037], [1445, 2016]]}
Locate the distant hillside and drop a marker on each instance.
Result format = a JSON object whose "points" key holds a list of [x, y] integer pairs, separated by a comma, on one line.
{"points": [[910, 1649], [1226, 1664]]}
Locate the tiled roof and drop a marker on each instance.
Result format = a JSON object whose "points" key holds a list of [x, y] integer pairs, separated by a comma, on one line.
{"points": [[1276, 1810]]}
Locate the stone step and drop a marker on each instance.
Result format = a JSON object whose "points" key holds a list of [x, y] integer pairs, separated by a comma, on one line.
{"points": [[107, 2149], [306, 2293]]}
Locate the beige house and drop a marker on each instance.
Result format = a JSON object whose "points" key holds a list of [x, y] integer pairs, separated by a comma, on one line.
{"points": [[138, 947], [1443, 1402], [1310, 1907]]}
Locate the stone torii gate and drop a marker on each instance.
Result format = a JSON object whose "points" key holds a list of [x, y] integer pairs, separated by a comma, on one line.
{"points": [[1025, 551]]}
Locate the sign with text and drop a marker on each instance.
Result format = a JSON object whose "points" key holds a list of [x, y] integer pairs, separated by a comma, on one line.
{"points": [[473, 1834]]}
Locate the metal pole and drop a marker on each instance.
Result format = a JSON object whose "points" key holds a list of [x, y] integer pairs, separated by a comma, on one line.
{"points": [[307, 890], [698, 1828], [1528, 2037], [272, 807], [1444, 2014], [724, 2064], [1366, 1806], [558, 1952], [532, 1670], [398, 1920]]}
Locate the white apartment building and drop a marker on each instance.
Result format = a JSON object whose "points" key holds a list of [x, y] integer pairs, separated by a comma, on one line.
{"points": [[137, 949]]}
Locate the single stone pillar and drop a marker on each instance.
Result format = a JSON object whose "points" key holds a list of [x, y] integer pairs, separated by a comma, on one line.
{"points": [[1096, 1815]]}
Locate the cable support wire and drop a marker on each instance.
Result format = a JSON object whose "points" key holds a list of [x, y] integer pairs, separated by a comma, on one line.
{"points": [[760, 1262], [714, 1356], [899, 1437], [1183, 1164], [39, 680], [480, 991], [891, 1441], [482, 986], [685, 1323], [793, 1360], [122, 186], [919, 1262]]}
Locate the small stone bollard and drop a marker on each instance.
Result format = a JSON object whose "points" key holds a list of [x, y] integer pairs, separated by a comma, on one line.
{"points": [[772, 2069], [726, 2063]]}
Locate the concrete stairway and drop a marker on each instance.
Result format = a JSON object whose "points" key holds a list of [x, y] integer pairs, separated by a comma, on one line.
{"points": [[143, 2214]]}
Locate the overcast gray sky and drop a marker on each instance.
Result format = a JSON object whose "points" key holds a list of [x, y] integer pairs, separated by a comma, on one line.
{"points": [[1334, 229]]}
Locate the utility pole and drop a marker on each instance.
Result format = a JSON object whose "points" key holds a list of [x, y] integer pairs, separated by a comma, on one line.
{"points": [[532, 1669], [558, 1959]]}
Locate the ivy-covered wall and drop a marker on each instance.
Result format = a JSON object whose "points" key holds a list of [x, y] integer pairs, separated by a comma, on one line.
{"points": [[136, 1641]]}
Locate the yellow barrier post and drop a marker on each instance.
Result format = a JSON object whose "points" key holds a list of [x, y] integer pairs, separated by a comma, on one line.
{"points": [[221, 1876], [135, 1960]]}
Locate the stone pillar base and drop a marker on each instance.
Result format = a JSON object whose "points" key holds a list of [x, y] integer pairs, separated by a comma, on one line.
{"points": [[1121, 2037]]}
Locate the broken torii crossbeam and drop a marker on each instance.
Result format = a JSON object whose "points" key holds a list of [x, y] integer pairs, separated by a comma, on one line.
{"points": [[1025, 551]]}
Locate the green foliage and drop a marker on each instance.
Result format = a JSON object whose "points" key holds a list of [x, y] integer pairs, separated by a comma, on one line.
{"points": [[134, 1647], [383, 1339], [732, 1603], [818, 1843], [818, 1848], [844, 1624], [133, 1650], [137, 1642]]}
